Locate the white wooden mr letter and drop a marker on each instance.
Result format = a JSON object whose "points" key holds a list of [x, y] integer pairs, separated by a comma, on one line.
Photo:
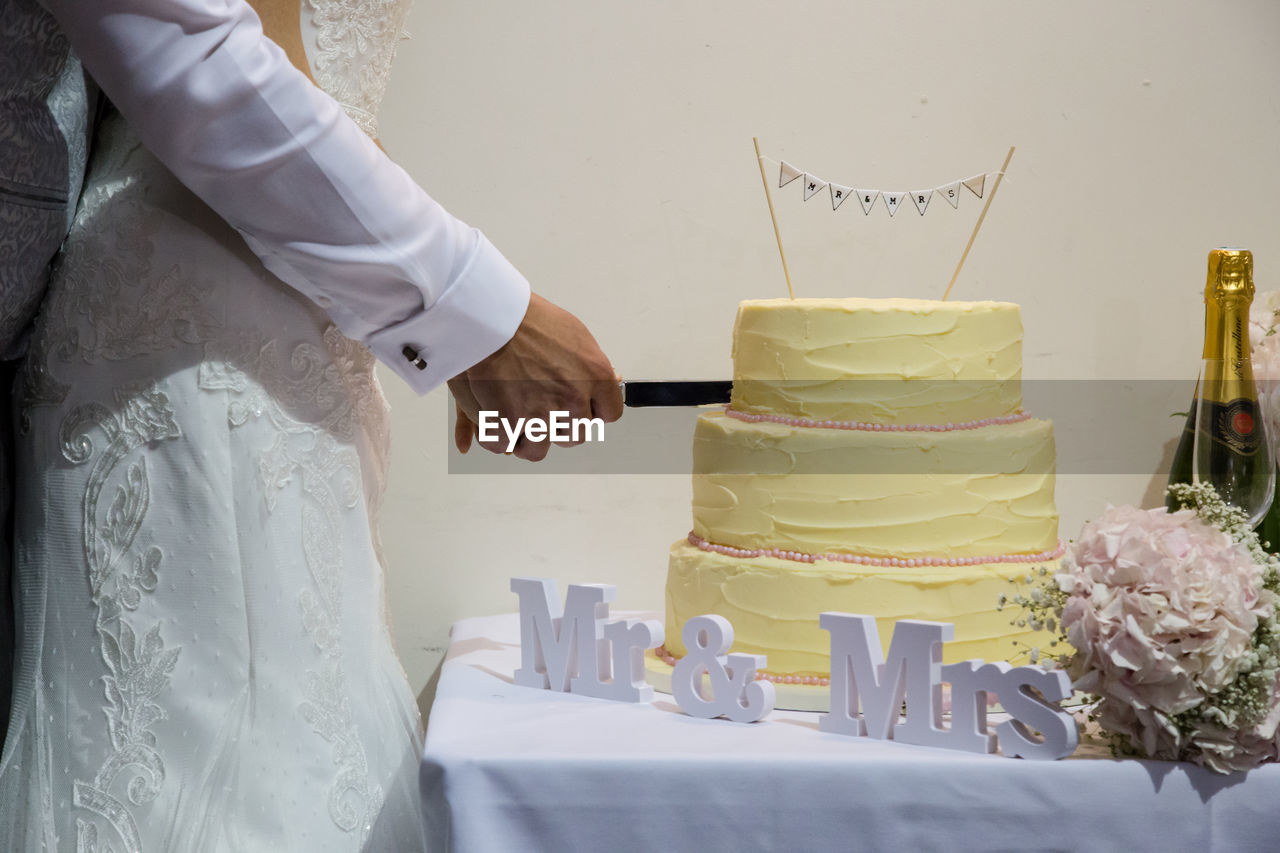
{"points": [[569, 650]]}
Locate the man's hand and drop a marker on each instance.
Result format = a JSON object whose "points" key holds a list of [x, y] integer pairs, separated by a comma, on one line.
{"points": [[551, 364]]}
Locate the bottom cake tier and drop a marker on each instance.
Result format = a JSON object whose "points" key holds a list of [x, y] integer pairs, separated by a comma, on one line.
{"points": [[774, 603]]}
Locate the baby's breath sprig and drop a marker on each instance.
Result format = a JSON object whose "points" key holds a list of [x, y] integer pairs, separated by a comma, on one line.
{"points": [[1041, 602], [1203, 500]]}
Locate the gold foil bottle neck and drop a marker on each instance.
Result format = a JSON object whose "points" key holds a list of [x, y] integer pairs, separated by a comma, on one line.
{"points": [[1230, 276], [1228, 293]]}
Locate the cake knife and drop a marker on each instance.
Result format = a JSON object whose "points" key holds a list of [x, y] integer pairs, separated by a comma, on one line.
{"points": [[677, 393]]}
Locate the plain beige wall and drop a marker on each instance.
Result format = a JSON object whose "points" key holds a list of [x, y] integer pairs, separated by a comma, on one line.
{"points": [[605, 146]]}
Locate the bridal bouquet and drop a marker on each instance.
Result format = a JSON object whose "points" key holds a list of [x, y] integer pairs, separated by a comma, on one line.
{"points": [[1172, 619]]}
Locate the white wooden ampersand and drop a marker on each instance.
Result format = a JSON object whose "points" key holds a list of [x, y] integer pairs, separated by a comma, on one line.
{"points": [[735, 692], [574, 650]]}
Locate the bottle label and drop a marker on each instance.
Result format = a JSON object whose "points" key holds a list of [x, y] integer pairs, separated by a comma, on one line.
{"points": [[1237, 424]]}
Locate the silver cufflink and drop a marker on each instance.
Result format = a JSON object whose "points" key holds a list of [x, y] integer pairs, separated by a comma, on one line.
{"points": [[414, 358]]}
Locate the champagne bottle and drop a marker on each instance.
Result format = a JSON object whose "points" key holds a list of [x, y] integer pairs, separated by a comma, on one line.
{"points": [[1224, 441]]}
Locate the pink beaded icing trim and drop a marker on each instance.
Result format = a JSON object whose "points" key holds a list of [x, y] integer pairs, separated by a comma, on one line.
{"points": [[872, 427], [816, 680], [801, 557]]}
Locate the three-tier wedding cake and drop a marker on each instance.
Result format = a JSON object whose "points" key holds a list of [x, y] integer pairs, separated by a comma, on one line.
{"points": [[875, 459]]}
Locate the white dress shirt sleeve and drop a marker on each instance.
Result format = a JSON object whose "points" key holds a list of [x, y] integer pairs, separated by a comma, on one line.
{"points": [[222, 107]]}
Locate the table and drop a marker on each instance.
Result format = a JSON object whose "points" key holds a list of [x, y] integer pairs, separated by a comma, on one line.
{"points": [[512, 768]]}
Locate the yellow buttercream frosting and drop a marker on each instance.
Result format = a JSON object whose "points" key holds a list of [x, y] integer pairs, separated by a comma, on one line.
{"points": [[774, 605], [964, 493], [981, 492], [878, 360]]}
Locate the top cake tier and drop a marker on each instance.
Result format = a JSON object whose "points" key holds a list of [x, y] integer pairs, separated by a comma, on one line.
{"points": [[890, 361]]}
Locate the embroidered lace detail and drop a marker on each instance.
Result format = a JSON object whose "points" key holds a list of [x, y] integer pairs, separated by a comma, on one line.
{"points": [[320, 402], [355, 46], [138, 667], [110, 302], [117, 253]]}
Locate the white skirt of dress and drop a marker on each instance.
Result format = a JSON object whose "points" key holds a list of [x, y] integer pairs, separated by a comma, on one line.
{"points": [[203, 661]]}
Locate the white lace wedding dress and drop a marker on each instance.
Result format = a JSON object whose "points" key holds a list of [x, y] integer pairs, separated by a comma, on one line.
{"points": [[206, 659]]}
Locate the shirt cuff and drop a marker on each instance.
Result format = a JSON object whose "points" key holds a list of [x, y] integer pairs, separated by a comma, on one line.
{"points": [[470, 321]]}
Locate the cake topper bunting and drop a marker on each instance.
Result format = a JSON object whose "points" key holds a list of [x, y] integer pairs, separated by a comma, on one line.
{"points": [[789, 173], [813, 185]]}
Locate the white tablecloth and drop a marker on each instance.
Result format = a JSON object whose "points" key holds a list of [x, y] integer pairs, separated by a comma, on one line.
{"points": [[512, 768]]}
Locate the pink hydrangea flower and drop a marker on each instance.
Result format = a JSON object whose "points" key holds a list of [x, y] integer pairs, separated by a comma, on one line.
{"points": [[1162, 608]]}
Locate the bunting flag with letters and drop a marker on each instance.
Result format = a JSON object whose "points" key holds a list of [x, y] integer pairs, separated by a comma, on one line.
{"points": [[921, 198], [838, 195], [951, 192], [812, 186], [869, 198]]}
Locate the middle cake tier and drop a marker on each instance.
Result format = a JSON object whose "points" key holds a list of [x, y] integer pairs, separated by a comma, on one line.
{"points": [[942, 494]]}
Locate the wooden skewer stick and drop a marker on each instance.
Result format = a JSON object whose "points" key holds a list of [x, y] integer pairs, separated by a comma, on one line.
{"points": [[981, 216], [776, 233]]}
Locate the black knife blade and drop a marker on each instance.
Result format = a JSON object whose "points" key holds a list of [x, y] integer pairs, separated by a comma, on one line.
{"points": [[678, 393]]}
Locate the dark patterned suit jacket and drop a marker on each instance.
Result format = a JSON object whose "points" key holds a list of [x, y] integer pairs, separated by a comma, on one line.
{"points": [[44, 132]]}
